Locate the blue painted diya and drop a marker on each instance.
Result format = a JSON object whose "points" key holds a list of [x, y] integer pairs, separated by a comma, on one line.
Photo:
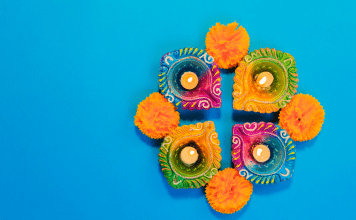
{"points": [[263, 152], [190, 79]]}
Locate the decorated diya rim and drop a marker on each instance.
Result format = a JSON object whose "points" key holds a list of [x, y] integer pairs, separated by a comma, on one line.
{"points": [[169, 66], [202, 137], [283, 62], [242, 147]]}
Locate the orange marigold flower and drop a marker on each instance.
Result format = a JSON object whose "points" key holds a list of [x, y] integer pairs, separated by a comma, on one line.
{"points": [[156, 117], [302, 118], [227, 192], [227, 44]]}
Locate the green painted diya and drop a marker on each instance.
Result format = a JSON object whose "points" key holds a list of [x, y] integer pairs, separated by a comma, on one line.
{"points": [[265, 81], [190, 155]]}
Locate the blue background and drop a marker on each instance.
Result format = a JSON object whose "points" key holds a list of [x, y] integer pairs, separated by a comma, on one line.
{"points": [[73, 72]]}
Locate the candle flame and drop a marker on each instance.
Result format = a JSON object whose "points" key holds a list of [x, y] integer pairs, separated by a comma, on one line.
{"points": [[192, 152], [263, 80]]}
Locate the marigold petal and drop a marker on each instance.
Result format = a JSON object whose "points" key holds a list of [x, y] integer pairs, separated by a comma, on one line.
{"points": [[302, 118], [156, 117], [227, 44], [227, 192]]}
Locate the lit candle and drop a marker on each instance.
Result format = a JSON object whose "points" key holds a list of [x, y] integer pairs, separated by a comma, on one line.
{"points": [[189, 80], [189, 155], [261, 153], [265, 79]]}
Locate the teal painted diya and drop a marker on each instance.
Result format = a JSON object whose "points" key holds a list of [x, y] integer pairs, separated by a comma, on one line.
{"points": [[263, 152], [190, 79]]}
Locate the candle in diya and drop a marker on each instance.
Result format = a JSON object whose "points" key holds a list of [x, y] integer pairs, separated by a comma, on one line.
{"points": [[265, 81], [263, 152], [190, 155], [190, 79]]}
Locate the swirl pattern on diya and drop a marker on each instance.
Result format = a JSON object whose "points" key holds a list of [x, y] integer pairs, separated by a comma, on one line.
{"points": [[203, 138], [207, 93], [279, 165], [265, 81]]}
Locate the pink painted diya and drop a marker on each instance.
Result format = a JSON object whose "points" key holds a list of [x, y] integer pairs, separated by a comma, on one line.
{"points": [[263, 152], [265, 81], [190, 155], [190, 79]]}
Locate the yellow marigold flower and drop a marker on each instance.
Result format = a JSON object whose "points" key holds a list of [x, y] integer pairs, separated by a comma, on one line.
{"points": [[156, 117], [302, 118], [227, 44], [227, 192]]}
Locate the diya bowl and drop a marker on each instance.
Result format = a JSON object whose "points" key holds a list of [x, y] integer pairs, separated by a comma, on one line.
{"points": [[263, 152], [190, 155], [190, 79], [265, 81]]}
